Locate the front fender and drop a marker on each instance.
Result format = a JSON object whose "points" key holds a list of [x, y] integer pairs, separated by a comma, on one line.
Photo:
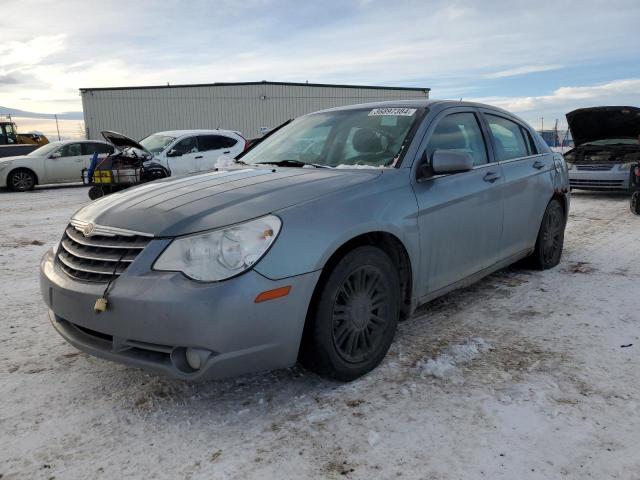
{"points": [[313, 231]]}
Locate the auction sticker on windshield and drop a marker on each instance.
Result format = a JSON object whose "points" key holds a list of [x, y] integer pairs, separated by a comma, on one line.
{"points": [[402, 112]]}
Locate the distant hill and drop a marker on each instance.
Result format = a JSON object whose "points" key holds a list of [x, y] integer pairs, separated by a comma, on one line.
{"points": [[14, 112]]}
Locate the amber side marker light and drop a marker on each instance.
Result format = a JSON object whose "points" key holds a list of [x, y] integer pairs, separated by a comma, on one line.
{"points": [[273, 294]]}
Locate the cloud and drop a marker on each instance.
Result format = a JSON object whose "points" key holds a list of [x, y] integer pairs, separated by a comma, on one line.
{"points": [[524, 70], [457, 47], [31, 52], [565, 99]]}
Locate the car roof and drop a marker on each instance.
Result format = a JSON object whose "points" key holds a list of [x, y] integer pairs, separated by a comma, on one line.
{"points": [[77, 140], [182, 133], [417, 103]]}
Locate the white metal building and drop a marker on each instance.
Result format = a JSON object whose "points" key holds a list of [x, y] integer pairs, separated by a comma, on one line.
{"points": [[250, 107]]}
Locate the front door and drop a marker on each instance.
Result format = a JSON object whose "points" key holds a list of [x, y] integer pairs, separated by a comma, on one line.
{"points": [[65, 164], [184, 157], [459, 214], [527, 182]]}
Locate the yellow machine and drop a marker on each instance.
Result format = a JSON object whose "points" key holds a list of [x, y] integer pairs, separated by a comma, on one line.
{"points": [[10, 136]]}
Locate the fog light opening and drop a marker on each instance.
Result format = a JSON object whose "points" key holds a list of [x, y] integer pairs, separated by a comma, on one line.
{"points": [[196, 357], [189, 360]]}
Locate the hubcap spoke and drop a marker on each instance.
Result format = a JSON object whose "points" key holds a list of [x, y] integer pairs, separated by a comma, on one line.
{"points": [[360, 314]]}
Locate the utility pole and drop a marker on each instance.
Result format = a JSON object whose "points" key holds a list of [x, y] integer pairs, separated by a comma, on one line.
{"points": [[542, 120], [57, 126]]}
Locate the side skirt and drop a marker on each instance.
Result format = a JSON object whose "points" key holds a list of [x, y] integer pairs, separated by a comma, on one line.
{"points": [[471, 279]]}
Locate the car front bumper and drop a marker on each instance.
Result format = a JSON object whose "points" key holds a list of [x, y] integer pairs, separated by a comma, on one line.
{"points": [[613, 179], [152, 317]]}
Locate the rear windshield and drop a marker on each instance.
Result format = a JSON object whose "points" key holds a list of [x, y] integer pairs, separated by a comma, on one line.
{"points": [[362, 138]]}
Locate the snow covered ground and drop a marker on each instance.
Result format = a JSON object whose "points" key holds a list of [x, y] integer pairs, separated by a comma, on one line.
{"points": [[523, 375]]}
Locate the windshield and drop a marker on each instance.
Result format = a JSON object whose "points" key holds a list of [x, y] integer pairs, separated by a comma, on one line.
{"points": [[156, 143], [44, 150], [342, 139]]}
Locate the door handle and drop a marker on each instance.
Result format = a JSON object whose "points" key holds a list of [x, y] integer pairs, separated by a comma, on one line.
{"points": [[199, 156], [227, 151], [538, 164], [490, 177]]}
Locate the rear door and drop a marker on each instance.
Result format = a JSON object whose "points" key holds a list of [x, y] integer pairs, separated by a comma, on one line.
{"points": [[65, 164], [89, 148], [215, 146], [459, 214], [527, 181]]}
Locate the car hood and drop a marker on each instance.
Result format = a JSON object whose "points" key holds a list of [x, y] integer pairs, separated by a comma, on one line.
{"points": [[121, 141], [10, 159], [601, 123], [183, 205]]}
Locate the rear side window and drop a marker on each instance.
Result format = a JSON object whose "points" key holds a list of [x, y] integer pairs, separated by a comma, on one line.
{"points": [[461, 132], [91, 148], [215, 142], [508, 138]]}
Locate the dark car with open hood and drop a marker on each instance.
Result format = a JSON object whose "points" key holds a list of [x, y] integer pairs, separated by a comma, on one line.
{"points": [[607, 147]]}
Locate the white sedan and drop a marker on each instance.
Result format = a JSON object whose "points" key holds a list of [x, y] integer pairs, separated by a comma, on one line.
{"points": [[181, 152], [56, 162]]}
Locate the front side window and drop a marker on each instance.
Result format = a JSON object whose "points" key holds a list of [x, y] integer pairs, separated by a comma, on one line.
{"points": [[508, 139], [186, 145], [71, 150], [371, 137], [460, 132], [44, 150], [214, 142]]}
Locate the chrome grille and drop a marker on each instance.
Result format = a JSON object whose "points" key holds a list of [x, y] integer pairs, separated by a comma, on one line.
{"points": [[100, 256], [594, 168]]}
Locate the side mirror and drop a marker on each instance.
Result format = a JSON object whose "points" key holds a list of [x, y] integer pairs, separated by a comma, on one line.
{"points": [[55, 155], [449, 161], [174, 153]]}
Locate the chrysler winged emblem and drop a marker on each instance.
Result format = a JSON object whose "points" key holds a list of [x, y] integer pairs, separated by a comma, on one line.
{"points": [[87, 230]]}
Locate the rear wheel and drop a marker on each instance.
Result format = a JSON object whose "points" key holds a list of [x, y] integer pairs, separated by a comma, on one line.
{"points": [[356, 317], [548, 249], [21, 180], [635, 203]]}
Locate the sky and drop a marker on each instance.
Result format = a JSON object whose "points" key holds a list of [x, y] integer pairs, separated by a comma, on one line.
{"points": [[539, 59]]}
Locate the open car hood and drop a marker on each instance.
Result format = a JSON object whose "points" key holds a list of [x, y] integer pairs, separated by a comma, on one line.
{"points": [[602, 123], [121, 141]]}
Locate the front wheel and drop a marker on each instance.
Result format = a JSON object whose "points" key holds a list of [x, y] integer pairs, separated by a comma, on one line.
{"points": [[21, 180], [550, 241], [356, 317]]}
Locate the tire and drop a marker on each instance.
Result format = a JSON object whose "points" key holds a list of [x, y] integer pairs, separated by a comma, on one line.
{"points": [[357, 313], [21, 180], [634, 205], [96, 192], [550, 241]]}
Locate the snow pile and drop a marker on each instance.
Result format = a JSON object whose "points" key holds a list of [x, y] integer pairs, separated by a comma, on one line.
{"points": [[445, 365], [224, 161]]}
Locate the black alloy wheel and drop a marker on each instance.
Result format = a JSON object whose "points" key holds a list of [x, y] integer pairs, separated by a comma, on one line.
{"points": [[550, 240], [355, 317], [21, 180]]}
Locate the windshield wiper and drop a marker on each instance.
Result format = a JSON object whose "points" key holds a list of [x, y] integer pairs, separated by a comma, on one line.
{"points": [[293, 163]]}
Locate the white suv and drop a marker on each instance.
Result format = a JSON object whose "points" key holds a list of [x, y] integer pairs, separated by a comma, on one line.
{"points": [[184, 151]]}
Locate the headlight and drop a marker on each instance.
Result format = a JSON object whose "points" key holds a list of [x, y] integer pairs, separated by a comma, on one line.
{"points": [[220, 254], [569, 166], [625, 166]]}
